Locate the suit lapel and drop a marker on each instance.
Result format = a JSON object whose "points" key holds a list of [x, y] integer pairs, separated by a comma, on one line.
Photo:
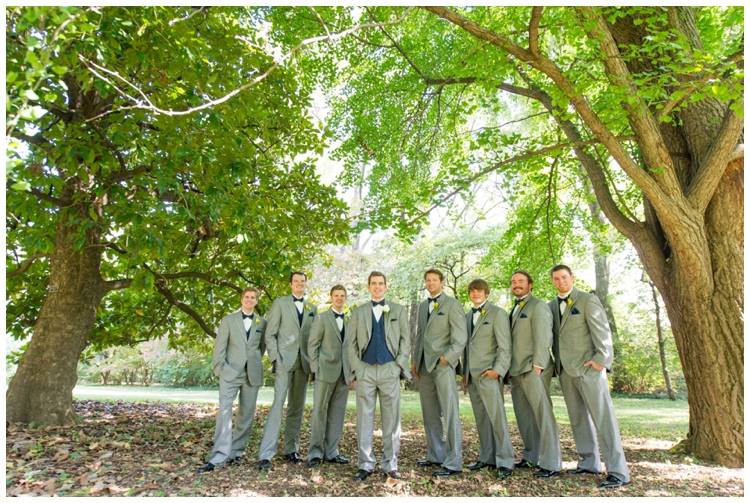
{"points": [[332, 322], [239, 325], [368, 320], [517, 314], [431, 316], [481, 318], [568, 307], [291, 308]]}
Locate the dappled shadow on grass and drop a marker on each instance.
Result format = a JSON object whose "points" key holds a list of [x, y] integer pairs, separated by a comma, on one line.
{"points": [[126, 448]]}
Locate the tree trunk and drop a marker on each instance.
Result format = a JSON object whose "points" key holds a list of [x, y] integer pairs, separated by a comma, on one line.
{"points": [[660, 339], [41, 390]]}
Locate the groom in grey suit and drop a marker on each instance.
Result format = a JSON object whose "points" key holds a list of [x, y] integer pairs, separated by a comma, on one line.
{"points": [[583, 350], [287, 332], [332, 378], [237, 362], [441, 338], [530, 375], [378, 348], [486, 360]]}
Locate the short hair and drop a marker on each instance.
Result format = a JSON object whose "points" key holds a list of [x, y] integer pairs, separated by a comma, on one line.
{"points": [[250, 289], [295, 273], [524, 273], [479, 284], [337, 287], [374, 274], [560, 267], [434, 271]]}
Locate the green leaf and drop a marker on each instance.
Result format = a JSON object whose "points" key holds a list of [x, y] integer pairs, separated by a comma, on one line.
{"points": [[21, 186]]}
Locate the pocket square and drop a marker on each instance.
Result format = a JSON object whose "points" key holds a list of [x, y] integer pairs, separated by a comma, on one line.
{"points": [[394, 319], [259, 330], [441, 314], [486, 323], [311, 314], [575, 311], [523, 315]]}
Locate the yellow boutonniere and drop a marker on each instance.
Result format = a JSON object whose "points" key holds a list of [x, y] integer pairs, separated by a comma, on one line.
{"points": [[569, 301], [483, 312], [435, 307]]}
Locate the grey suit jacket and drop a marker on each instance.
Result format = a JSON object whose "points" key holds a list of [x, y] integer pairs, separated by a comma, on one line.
{"points": [[489, 345], [531, 334], [325, 348], [284, 336], [396, 335], [582, 334], [234, 351], [442, 334]]}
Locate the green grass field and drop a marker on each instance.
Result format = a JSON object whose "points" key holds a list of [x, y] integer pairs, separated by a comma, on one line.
{"points": [[639, 417]]}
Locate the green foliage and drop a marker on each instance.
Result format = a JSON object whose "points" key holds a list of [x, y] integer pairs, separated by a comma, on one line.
{"points": [[228, 193]]}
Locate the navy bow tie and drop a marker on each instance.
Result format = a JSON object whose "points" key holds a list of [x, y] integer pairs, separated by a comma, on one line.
{"points": [[433, 299], [476, 309], [378, 303], [338, 315], [560, 300], [251, 316], [295, 299], [518, 301]]}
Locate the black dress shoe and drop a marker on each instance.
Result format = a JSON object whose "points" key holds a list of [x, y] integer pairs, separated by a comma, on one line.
{"points": [[339, 460], [613, 481], [543, 473], [503, 473], [445, 472], [478, 465], [525, 463], [314, 462], [394, 474], [427, 462], [361, 475], [264, 465], [293, 457], [236, 460], [208, 467], [580, 471]]}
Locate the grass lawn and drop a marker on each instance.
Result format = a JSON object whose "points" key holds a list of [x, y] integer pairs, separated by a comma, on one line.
{"points": [[652, 417]]}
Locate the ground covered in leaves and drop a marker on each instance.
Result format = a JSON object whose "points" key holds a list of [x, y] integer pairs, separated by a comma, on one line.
{"points": [[152, 449]]}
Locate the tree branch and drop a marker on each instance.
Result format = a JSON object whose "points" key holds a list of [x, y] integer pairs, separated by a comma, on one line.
{"points": [[653, 149], [536, 16], [521, 157], [57, 201], [199, 275], [144, 103], [703, 186], [651, 189], [161, 286], [25, 265]]}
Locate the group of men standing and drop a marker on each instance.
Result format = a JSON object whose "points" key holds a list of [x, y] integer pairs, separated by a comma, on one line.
{"points": [[367, 350]]}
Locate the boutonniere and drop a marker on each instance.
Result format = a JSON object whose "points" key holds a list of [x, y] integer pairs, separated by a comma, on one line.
{"points": [[347, 312], [483, 312], [569, 302], [386, 308]]}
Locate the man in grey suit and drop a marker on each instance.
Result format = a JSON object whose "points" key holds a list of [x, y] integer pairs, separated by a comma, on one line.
{"points": [[530, 375], [441, 338], [378, 348], [237, 362], [582, 348], [332, 379], [287, 333], [486, 360]]}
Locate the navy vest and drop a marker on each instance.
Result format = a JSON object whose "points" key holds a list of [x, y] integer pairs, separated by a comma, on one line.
{"points": [[377, 351]]}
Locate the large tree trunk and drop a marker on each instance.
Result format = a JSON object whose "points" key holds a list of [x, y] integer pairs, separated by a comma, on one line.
{"points": [[41, 391]]}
